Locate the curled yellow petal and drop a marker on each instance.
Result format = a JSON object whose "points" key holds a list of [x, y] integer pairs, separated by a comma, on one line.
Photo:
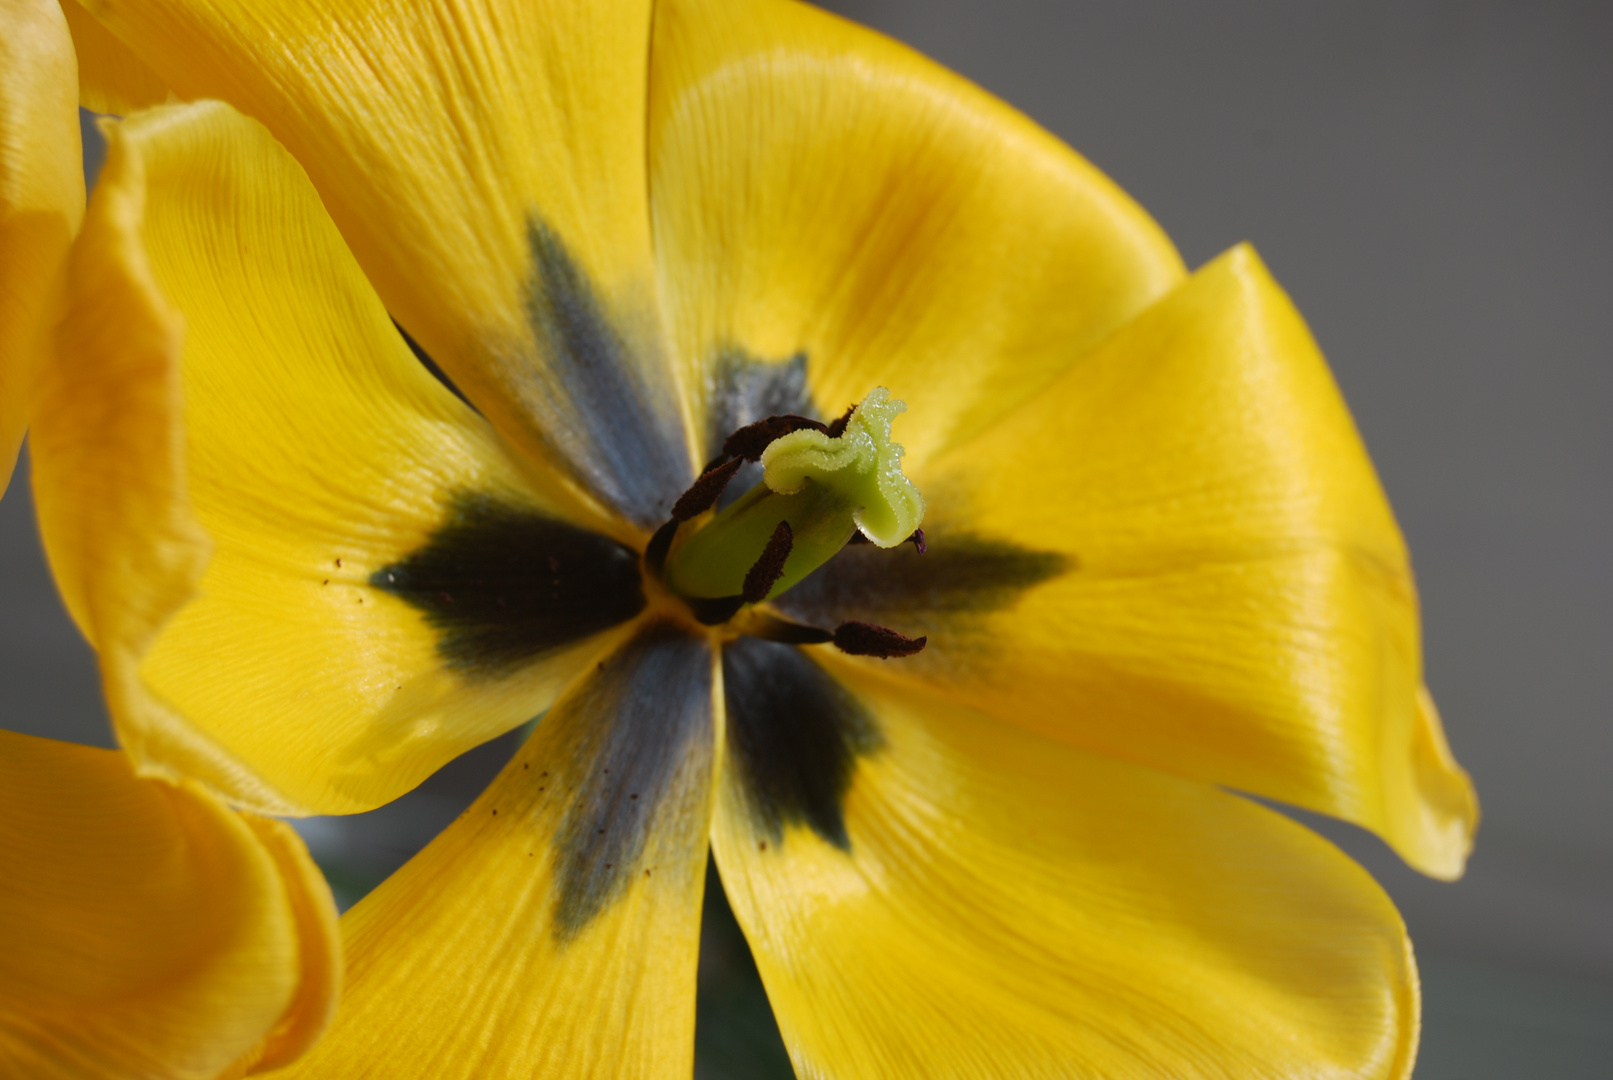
{"points": [[109, 481], [41, 193], [319, 950], [149, 931]]}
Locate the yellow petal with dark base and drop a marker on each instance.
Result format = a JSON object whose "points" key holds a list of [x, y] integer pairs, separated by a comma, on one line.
{"points": [[1005, 907], [485, 161], [820, 191], [321, 458], [111, 79], [41, 195], [148, 930], [553, 929], [1179, 554]]}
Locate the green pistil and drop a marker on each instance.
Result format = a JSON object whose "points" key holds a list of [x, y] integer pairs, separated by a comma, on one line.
{"points": [[826, 488]]}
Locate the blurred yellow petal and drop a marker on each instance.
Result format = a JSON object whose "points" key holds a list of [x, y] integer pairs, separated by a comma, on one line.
{"points": [[1179, 554], [111, 79], [324, 462], [821, 192], [1003, 906], [553, 929], [149, 931], [485, 161], [41, 195]]}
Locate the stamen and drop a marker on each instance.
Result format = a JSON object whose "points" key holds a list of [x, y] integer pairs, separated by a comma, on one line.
{"points": [[766, 571], [704, 492], [770, 628], [866, 639], [837, 428], [749, 441]]}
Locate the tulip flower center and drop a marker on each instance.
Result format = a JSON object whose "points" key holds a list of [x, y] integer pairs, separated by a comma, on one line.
{"points": [[823, 486]]}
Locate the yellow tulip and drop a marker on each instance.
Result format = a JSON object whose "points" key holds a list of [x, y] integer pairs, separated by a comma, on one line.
{"points": [[1160, 568]]}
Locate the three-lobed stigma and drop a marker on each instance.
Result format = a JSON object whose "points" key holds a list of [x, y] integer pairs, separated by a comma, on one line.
{"points": [[863, 466]]}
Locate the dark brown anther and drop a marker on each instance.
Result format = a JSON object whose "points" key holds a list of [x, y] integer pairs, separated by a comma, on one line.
{"points": [[769, 628], [713, 463], [714, 611], [866, 639], [656, 550], [704, 492], [765, 572], [837, 427], [749, 441]]}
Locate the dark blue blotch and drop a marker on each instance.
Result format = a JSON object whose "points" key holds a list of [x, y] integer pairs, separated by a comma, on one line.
{"points": [[502, 585], [745, 390], [959, 575], [794, 736], [642, 757], [621, 435]]}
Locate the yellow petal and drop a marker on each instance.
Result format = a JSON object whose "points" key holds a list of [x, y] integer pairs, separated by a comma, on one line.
{"points": [[149, 931], [553, 929], [819, 191], [1002, 906], [41, 195], [321, 458], [111, 79], [1179, 554], [485, 160]]}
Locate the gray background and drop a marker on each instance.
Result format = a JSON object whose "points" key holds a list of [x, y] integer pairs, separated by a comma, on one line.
{"points": [[1433, 182]]}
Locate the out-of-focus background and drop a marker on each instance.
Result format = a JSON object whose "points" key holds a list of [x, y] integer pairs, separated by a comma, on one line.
{"points": [[1433, 182]]}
